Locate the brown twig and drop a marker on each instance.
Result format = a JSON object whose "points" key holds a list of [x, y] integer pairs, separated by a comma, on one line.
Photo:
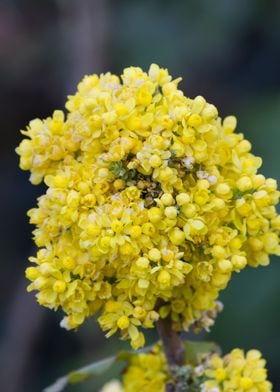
{"points": [[173, 347]]}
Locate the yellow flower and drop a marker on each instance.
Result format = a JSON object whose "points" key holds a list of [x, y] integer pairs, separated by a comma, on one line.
{"points": [[146, 372], [150, 195], [237, 371]]}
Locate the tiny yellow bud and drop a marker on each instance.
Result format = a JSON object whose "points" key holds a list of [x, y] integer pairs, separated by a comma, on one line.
{"points": [[235, 243], [167, 255], [155, 161], [164, 278], [244, 146], [157, 141], [258, 180], [170, 212], [256, 244], [188, 210], [229, 124], [210, 111], [59, 286], [245, 383], [112, 306], [89, 200], [148, 229], [144, 97], [105, 242], [109, 117], [143, 283], [177, 236], [262, 258], [155, 214], [204, 270], [218, 203], [253, 354], [165, 174], [220, 374], [69, 263], [119, 184], [225, 265], [142, 262], [93, 230], [188, 136], [31, 273], [167, 199], [238, 262], [182, 198], [154, 254], [139, 312], [197, 225], [222, 189], [60, 181], [117, 226], [134, 123], [178, 149], [244, 183], [121, 109], [270, 185], [198, 104], [135, 231], [83, 188], [123, 322], [218, 252], [126, 249], [194, 120]]}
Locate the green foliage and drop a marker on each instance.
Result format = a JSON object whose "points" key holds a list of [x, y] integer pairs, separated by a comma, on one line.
{"points": [[195, 351], [121, 171]]}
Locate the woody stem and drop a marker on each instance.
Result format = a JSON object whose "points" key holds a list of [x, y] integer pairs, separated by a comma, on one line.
{"points": [[173, 346]]}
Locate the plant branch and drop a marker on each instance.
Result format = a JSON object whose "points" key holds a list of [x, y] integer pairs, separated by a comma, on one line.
{"points": [[173, 347]]}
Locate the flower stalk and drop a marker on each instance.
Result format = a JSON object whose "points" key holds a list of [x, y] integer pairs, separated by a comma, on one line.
{"points": [[173, 347]]}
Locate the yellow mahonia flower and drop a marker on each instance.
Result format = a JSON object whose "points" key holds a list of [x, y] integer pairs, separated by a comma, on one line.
{"points": [[150, 195], [237, 372], [146, 372]]}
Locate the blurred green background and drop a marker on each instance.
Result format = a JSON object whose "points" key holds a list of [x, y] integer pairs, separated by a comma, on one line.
{"points": [[228, 51]]}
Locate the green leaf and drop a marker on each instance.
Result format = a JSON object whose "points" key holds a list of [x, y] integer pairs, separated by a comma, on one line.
{"points": [[94, 369], [194, 350], [85, 372], [118, 168]]}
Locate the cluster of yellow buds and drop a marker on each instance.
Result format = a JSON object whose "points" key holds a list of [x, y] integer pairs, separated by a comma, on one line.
{"points": [[146, 372], [235, 372], [151, 196]]}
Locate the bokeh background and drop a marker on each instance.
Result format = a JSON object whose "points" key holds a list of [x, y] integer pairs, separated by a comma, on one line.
{"points": [[228, 51]]}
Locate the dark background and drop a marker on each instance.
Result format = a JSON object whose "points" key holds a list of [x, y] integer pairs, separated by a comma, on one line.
{"points": [[228, 51]]}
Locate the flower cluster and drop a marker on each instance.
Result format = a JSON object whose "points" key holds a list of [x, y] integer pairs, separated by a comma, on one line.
{"points": [[147, 372], [235, 372], [152, 203]]}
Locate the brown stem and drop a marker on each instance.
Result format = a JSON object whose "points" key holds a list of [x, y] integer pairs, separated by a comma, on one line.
{"points": [[173, 346]]}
